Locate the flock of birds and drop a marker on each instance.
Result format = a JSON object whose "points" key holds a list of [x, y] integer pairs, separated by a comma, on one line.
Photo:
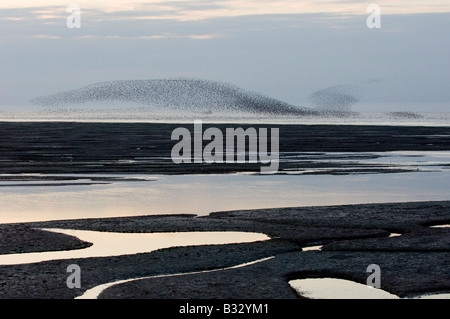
{"points": [[204, 96], [338, 98], [177, 94]]}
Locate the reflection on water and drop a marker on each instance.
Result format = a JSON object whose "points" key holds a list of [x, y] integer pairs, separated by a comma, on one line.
{"points": [[394, 235], [332, 288], [312, 248], [131, 195], [116, 244], [368, 162], [203, 194]]}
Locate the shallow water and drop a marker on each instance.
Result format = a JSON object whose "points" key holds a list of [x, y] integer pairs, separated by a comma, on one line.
{"points": [[203, 194], [36, 197], [333, 288], [115, 244], [312, 248]]}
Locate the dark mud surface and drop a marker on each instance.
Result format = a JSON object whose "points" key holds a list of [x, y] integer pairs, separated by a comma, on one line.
{"points": [[16, 238], [353, 236], [145, 148]]}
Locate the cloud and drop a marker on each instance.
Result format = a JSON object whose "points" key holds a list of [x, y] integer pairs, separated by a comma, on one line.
{"points": [[45, 36], [284, 55], [15, 18], [148, 37], [197, 10]]}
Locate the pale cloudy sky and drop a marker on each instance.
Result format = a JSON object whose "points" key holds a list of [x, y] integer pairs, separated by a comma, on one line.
{"points": [[283, 49]]}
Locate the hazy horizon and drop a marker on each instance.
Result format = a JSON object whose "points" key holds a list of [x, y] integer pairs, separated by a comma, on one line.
{"points": [[286, 50]]}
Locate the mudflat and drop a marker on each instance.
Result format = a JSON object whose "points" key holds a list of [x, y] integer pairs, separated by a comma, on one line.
{"points": [[145, 148], [353, 237]]}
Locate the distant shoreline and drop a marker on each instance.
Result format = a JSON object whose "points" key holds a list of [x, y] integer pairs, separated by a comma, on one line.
{"points": [[148, 116]]}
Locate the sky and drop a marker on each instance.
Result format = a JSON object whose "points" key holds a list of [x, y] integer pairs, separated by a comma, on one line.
{"points": [[283, 49]]}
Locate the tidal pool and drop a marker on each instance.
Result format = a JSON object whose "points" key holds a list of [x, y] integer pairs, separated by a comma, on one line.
{"points": [[106, 244], [333, 288]]}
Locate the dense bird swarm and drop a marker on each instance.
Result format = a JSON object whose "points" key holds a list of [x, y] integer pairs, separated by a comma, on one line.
{"points": [[178, 94], [337, 98]]}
